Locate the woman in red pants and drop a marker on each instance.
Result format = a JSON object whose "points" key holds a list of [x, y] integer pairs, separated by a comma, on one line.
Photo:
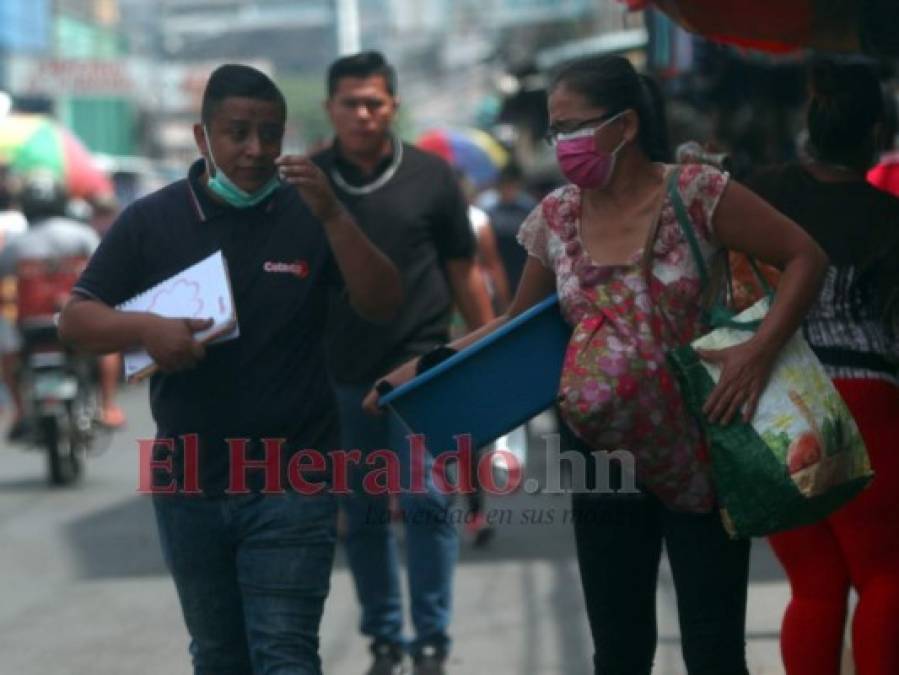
{"points": [[854, 329]]}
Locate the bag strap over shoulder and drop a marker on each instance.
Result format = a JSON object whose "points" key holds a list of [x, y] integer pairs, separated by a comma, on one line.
{"points": [[718, 314], [689, 231], [763, 282], [686, 225]]}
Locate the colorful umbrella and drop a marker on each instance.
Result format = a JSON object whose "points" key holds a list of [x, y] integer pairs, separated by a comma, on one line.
{"points": [[472, 151], [37, 142]]}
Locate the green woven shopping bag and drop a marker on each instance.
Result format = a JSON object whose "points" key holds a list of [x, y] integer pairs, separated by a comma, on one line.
{"points": [[801, 457]]}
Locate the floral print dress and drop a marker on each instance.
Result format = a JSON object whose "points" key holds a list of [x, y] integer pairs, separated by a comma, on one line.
{"points": [[616, 390]]}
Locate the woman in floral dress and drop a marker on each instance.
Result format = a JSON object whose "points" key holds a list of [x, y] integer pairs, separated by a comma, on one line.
{"points": [[610, 245]]}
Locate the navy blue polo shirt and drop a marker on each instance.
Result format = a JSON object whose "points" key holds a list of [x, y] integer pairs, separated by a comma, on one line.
{"points": [[271, 382]]}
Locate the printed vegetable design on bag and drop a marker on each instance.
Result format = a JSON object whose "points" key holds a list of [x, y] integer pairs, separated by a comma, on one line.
{"points": [[816, 439], [801, 418], [818, 458]]}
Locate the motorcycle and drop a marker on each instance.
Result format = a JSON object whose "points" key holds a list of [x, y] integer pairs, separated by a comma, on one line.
{"points": [[60, 388]]}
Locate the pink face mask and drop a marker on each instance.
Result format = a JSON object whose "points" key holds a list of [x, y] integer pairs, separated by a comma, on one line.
{"points": [[581, 162]]}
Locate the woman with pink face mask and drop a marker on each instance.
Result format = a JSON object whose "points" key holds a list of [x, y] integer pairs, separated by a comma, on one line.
{"points": [[610, 245]]}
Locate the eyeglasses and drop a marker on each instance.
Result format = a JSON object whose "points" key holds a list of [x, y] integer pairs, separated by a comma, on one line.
{"points": [[552, 134]]}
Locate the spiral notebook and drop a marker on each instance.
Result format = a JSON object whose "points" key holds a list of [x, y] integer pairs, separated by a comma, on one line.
{"points": [[201, 291]]}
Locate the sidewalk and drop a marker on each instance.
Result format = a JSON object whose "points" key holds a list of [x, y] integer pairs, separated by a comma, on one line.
{"points": [[85, 591], [518, 603], [519, 612]]}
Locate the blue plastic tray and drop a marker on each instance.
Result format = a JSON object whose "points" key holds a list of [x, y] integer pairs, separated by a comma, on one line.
{"points": [[492, 386]]}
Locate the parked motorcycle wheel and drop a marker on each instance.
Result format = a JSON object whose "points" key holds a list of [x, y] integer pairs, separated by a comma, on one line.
{"points": [[63, 454]]}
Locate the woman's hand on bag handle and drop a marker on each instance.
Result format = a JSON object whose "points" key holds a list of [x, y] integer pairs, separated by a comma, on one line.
{"points": [[537, 282], [745, 369], [744, 222]]}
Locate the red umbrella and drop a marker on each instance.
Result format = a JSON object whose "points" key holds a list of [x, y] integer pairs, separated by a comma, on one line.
{"points": [[786, 25]]}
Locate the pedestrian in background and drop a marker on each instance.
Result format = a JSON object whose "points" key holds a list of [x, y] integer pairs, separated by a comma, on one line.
{"points": [[478, 530], [854, 330], [507, 205], [12, 224], [410, 205], [493, 271]]}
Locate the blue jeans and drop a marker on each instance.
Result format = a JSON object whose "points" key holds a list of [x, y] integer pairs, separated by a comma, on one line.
{"points": [[252, 573], [431, 539]]}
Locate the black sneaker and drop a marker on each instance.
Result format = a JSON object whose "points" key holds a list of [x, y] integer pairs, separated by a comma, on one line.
{"points": [[388, 659], [429, 661]]}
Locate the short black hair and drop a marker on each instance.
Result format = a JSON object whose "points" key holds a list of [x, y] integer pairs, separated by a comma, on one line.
{"points": [[363, 64], [511, 173], [237, 80]]}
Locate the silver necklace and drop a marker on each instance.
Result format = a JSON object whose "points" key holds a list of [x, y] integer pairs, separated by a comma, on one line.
{"points": [[380, 181]]}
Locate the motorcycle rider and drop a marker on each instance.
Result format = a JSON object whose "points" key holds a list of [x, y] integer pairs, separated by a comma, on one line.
{"points": [[12, 224], [53, 238]]}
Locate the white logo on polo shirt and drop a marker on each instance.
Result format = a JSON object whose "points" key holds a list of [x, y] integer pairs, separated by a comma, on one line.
{"points": [[298, 268]]}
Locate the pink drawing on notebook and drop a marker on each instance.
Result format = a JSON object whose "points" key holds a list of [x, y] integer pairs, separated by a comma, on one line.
{"points": [[183, 296]]}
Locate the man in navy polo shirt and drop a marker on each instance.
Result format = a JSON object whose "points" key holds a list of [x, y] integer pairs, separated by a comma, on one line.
{"points": [[251, 567]]}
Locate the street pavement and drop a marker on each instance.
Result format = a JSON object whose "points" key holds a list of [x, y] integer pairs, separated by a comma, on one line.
{"points": [[83, 590]]}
